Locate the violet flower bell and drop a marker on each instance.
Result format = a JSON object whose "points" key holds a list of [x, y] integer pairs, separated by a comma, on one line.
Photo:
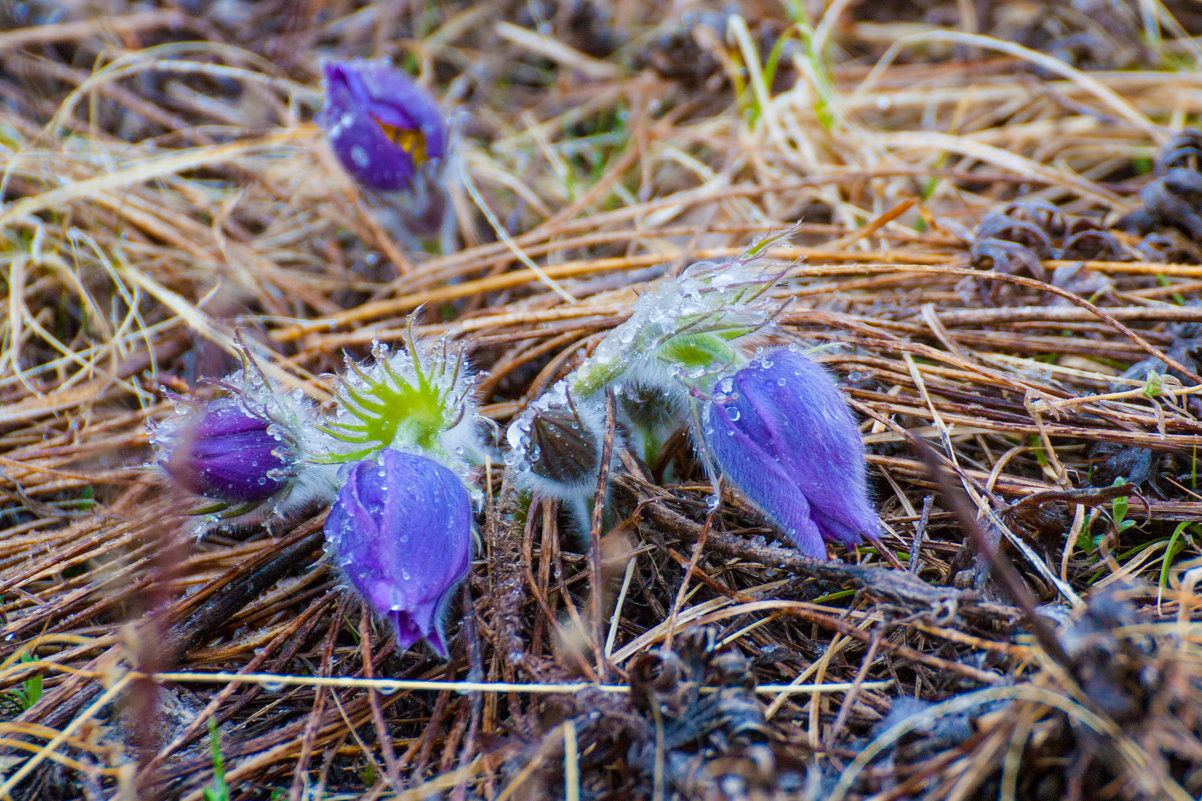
{"points": [[384, 128], [227, 452], [250, 453], [402, 532], [781, 433]]}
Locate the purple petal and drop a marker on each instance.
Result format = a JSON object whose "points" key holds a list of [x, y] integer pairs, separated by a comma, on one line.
{"points": [[782, 434], [393, 98], [229, 454], [403, 532], [763, 481], [380, 123], [806, 420]]}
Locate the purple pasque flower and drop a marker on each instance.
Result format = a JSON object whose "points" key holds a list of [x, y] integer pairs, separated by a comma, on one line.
{"points": [[402, 531], [780, 431], [227, 452], [382, 126]]}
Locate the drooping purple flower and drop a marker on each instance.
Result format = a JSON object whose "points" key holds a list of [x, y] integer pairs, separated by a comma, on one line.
{"points": [[228, 453], [780, 431], [402, 530], [382, 126]]}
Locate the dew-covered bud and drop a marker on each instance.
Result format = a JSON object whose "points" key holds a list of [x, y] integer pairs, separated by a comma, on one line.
{"points": [[228, 452], [250, 452], [780, 432], [555, 450], [556, 443], [384, 128], [565, 449], [402, 532]]}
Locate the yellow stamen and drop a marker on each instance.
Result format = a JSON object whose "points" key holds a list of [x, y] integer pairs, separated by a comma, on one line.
{"points": [[411, 140]]}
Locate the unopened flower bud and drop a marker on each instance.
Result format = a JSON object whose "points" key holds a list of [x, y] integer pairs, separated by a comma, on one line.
{"points": [[567, 450], [229, 453], [556, 445], [249, 452], [684, 330]]}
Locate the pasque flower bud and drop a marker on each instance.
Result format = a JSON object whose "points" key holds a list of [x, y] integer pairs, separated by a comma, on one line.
{"points": [[556, 447], [781, 433], [229, 453], [568, 450], [682, 330], [384, 128], [556, 444], [402, 532], [250, 452]]}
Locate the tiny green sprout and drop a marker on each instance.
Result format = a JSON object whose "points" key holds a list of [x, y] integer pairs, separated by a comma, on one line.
{"points": [[1037, 449], [772, 63], [18, 700], [1087, 543], [1155, 384], [818, 67], [1176, 297], [1193, 467], [1119, 508], [1177, 543], [32, 689], [218, 790]]}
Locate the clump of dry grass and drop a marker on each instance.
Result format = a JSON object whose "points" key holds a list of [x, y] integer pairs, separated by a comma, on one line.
{"points": [[166, 197]]}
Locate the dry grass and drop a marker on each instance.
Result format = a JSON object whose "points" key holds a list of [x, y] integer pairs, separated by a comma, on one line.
{"points": [[165, 196]]}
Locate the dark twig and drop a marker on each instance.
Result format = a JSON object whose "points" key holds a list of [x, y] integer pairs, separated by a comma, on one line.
{"points": [[920, 532], [476, 700], [597, 610]]}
